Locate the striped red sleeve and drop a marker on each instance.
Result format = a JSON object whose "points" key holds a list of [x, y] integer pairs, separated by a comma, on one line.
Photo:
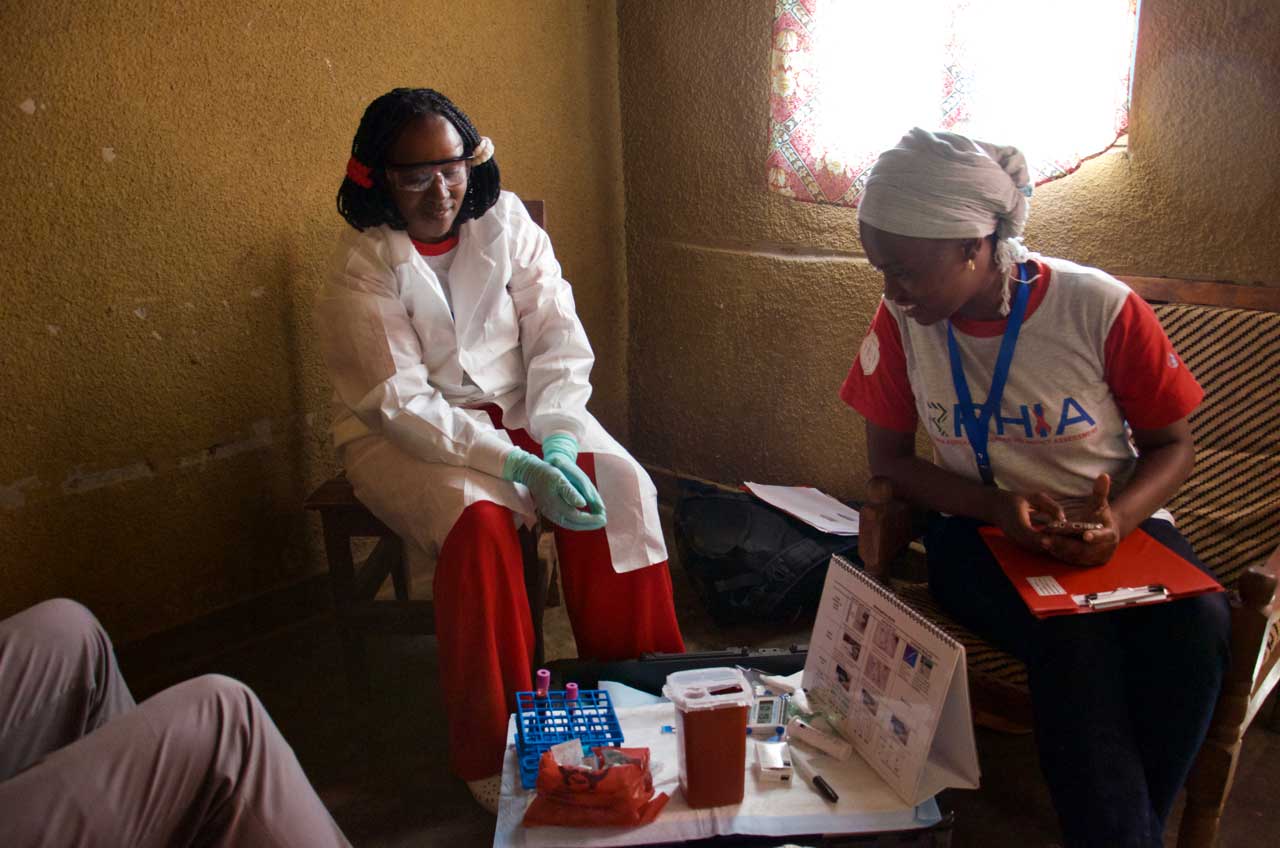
{"points": [[878, 385], [1150, 382]]}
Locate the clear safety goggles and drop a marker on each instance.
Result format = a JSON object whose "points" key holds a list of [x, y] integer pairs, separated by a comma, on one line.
{"points": [[421, 176]]}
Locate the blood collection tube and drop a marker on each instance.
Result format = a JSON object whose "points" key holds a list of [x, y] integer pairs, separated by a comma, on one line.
{"points": [[543, 684], [571, 691]]}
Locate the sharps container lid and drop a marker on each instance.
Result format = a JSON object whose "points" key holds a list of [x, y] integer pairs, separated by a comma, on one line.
{"points": [[708, 689]]}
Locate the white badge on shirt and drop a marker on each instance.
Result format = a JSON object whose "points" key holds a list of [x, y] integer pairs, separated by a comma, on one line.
{"points": [[869, 353]]}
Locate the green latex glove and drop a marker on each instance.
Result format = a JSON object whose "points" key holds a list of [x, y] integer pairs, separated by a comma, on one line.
{"points": [[555, 496], [561, 451]]}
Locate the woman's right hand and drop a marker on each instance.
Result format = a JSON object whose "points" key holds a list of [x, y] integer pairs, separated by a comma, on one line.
{"points": [[1013, 513], [556, 497]]}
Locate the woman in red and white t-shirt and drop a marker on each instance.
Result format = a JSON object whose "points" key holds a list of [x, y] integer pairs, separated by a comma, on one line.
{"points": [[1049, 391]]}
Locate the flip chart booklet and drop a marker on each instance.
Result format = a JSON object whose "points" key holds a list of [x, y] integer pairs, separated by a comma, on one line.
{"points": [[893, 685]]}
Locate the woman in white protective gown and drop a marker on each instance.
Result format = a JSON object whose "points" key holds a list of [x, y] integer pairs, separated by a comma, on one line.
{"points": [[460, 371]]}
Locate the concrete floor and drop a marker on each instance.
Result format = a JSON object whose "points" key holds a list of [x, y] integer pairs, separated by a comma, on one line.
{"points": [[382, 772]]}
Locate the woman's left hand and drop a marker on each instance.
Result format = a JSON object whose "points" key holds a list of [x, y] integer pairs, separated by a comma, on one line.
{"points": [[1093, 547], [581, 482], [561, 451]]}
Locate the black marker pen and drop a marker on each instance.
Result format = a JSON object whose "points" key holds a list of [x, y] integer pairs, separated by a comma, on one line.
{"points": [[801, 765], [825, 788]]}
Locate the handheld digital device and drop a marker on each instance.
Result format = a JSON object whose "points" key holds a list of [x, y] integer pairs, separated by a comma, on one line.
{"points": [[767, 712], [1070, 528]]}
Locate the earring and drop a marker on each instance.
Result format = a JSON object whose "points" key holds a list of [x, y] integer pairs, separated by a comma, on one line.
{"points": [[972, 267]]}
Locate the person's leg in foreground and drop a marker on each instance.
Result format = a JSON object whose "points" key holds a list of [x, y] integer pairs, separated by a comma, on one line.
{"points": [[58, 681], [200, 762]]}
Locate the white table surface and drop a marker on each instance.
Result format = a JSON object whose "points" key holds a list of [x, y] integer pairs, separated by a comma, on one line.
{"points": [[866, 805]]}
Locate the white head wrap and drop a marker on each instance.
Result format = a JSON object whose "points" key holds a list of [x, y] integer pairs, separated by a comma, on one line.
{"points": [[944, 185]]}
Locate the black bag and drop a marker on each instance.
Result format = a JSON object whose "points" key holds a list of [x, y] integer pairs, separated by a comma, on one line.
{"points": [[750, 562]]}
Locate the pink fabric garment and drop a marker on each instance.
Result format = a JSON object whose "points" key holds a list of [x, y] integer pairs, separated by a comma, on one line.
{"points": [[80, 765]]}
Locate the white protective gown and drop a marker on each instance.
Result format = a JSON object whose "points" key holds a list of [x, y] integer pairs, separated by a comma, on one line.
{"points": [[408, 375]]}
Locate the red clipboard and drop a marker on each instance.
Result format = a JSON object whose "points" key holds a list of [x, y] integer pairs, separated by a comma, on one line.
{"points": [[1141, 571]]}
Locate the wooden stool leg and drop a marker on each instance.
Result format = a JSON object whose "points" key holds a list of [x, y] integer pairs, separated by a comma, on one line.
{"points": [[400, 572], [553, 585], [343, 585], [355, 663], [547, 550], [535, 586], [1271, 710]]}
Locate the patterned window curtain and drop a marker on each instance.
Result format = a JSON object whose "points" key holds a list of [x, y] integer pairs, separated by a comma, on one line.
{"points": [[850, 77]]}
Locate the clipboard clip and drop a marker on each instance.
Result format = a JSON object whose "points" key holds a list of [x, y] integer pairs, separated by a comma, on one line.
{"points": [[1123, 596]]}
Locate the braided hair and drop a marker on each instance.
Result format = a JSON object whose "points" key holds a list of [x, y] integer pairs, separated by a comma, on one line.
{"points": [[383, 121]]}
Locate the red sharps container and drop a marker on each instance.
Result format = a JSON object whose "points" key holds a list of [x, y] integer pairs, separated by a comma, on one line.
{"points": [[711, 719]]}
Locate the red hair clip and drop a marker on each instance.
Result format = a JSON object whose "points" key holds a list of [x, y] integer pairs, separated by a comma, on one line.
{"points": [[359, 173]]}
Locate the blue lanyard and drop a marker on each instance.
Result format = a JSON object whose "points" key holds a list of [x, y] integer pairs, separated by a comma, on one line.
{"points": [[977, 425]]}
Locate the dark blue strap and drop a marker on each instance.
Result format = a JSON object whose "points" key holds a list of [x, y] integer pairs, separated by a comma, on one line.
{"points": [[977, 425]]}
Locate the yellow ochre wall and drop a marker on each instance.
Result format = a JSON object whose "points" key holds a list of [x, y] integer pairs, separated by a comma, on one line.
{"points": [[747, 308], [167, 175]]}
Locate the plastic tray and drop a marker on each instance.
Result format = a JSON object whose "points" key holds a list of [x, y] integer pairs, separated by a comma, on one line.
{"points": [[550, 720]]}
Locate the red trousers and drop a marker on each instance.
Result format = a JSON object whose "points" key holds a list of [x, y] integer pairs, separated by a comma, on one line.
{"points": [[485, 632]]}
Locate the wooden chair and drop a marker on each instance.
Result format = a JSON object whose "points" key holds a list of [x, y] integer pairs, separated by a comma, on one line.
{"points": [[1229, 509], [358, 609]]}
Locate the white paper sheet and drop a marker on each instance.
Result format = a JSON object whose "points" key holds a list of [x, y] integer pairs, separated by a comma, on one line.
{"points": [[811, 506]]}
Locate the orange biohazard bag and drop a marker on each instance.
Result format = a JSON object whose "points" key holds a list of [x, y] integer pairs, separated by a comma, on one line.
{"points": [[620, 792]]}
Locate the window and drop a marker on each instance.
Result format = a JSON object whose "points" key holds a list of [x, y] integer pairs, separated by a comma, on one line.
{"points": [[850, 77]]}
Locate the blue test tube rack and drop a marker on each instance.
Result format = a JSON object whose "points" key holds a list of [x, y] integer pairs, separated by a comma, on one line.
{"points": [[545, 721]]}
